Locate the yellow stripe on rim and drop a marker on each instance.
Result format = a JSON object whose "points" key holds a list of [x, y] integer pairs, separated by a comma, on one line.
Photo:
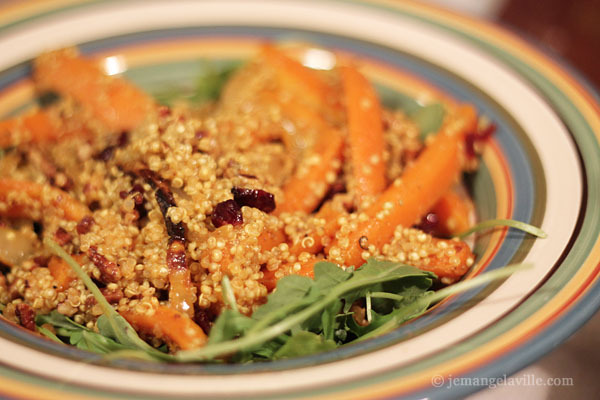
{"points": [[16, 95]]}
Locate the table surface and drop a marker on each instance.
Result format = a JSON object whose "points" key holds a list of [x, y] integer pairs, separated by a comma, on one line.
{"points": [[570, 30]]}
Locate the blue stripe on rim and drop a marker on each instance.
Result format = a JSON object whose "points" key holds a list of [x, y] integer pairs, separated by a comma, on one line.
{"points": [[509, 143]]}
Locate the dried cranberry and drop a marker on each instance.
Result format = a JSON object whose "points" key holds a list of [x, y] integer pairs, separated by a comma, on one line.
{"points": [[85, 225], [255, 198], [123, 139], [227, 212], [106, 154], [204, 318], [199, 134], [470, 140], [478, 136], [164, 111], [429, 223], [62, 237]]}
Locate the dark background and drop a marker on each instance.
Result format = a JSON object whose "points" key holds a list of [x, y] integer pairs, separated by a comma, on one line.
{"points": [[570, 28]]}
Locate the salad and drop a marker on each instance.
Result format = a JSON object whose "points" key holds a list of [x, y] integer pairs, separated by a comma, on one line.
{"points": [[286, 213]]}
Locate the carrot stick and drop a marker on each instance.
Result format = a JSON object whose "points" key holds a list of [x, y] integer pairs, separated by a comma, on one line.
{"points": [[62, 273], [168, 324], [449, 267], [22, 198], [116, 103], [421, 186], [312, 243], [453, 211], [303, 268], [36, 127], [295, 77], [271, 238], [365, 135], [306, 188]]}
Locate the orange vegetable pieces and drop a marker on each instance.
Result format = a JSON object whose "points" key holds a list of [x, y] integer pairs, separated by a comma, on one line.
{"points": [[305, 268], [175, 328], [271, 238], [365, 135], [30, 200], [35, 127], [318, 167], [61, 272], [181, 290], [313, 241], [452, 263], [452, 211], [422, 184], [295, 77], [113, 101]]}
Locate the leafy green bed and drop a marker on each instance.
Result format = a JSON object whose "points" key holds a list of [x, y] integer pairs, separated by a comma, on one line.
{"points": [[303, 316]]}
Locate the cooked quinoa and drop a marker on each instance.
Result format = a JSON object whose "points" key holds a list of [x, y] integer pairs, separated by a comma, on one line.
{"points": [[195, 156]]}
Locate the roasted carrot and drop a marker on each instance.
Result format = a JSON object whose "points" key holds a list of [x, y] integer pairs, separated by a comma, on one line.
{"points": [[270, 238], [181, 289], [174, 327], [298, 268], [22, 198], [365, 135], [318, 167], [420, 187], [35, 127], [295, 77], [312, 242], [113, 101], [61, 271], [452, 211], [450, 265]]}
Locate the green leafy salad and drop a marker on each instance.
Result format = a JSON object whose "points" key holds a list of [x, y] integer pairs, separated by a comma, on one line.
{"points": [[302, 316]]}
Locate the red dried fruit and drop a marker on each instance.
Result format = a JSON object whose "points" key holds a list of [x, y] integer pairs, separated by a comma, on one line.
{"points": [[164, 111], [471, 139], [227, 212], [429, 223], [255, 198], [85, 225], [62, 237]]}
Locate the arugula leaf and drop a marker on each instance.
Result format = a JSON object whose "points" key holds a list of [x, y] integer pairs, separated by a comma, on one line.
{"points": [[371, 273], [428, 118], [49, 334], [111, 324], [229, 325], [493, 223], [304, 343], [207, 87], [290, 289], [76, 334], [301, 317]]}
